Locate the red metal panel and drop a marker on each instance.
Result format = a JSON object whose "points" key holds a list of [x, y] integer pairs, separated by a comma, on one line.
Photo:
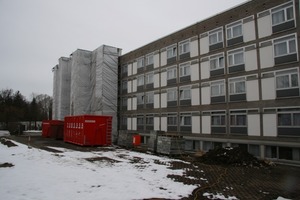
{"points": [[136, 140], [53, 128], [88, 130]]}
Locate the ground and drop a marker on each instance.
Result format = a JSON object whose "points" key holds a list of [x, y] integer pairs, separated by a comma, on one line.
{"points": [[217, 181]]}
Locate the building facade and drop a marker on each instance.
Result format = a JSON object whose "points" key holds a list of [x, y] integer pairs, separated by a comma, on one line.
{"points": [[229, 80]]}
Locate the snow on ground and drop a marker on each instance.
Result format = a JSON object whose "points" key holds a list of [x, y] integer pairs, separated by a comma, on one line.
{"points": [[39, 174]]}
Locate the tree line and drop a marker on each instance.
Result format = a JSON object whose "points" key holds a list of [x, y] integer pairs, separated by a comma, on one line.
{"points": [[14, 108]]}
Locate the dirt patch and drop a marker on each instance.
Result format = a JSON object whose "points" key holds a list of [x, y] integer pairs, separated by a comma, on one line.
{"points": [[104, 159], [7, 142], [51, 150], [231, 156], [6, 165]]}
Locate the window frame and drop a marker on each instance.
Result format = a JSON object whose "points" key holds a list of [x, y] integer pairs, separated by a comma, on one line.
{"points": [[140, 99], [183, 90], [216, 32], [232, 57], [182, 45], [183, 116], [174, 122], [217, 58], [171, 51], [149, 78], [218, 83], [182, 68], [140, 80], [140, 62], [234, 81], [149, 97], [283, 8], [230, 27], [174, 93], [124, 84], [288, 73], [285, 40], [222, 118], [288, 111], [235, 115], [149, 60], [174, 72]]}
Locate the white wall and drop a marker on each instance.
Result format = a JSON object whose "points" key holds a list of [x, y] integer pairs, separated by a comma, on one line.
{"points": [[266, 57], [129, 69], [205, 70], [252, 90], [195, 96], [134, 68], [134, 103], [206, 125], [134, 123], [163, 58], [129, 104], [264, 25], [269, 125], [134, 85], [129, 86], [250, 60], [163, 124], [156, 123], [196, 124], [204, 45], [205, 95], [194, 47], [249, 30], [163, 100], [156, 100], [156, 60], [195, 72], [156, 80], [129, 123], [163, 79], [268, 88], [253, 125]]}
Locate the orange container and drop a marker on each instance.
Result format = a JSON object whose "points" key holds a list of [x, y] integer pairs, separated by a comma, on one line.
{"points": [[136, 140], [53, 129], [88, 130]]}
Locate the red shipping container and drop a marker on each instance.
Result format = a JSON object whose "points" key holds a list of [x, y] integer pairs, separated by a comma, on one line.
{"points": [[53, 128], [88, 130], [136, 140]]}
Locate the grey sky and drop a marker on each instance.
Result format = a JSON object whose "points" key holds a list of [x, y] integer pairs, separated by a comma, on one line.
{"points": [[35, 33]]}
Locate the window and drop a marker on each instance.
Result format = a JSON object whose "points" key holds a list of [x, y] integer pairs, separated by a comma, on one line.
{"points": [[238, 118], [140, 80], [282, 14], [140, 63], [125, 69], [236, 57], [140, 99], [149, 120], [234, 30], [217, 62], [215, 36], [287, 79], [149, 59], [172, 94], [149, 97], [124, 85], [237, 86], [172, 120], [289, 117], [218, 119], [217, 88], [140, 120], [124, 101], [285, 46], [185, 93], [185, 70], [186, 120], [149, 78], [171, 73], [171, 52], [184, 47]]}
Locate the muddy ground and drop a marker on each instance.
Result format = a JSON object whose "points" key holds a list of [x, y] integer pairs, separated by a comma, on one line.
{"points": [[242, 181]]}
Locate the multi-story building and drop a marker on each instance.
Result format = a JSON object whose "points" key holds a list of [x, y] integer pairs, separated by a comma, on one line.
{"points": [[229, 80]]}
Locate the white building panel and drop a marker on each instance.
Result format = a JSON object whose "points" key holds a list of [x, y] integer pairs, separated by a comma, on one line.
{"points": [[268, 88], [195, 96], [196, 124], [205, 95], [129, 104], [266, 57], [134, 123], [156, 123], [253, 125], [249, 31], [134, 68], [206, 125], [195, 72], [134, 103], [156, 100], [129, 69], [163, 100], [194, 48], [163, 58], [250, 60], [264, 25], [134, 85], [156, 60], [269, 125], [156, 80], [204, 45], [163, 124], [163, 79], [205, 70], [252, 90], [129, 86], [129, 124]]}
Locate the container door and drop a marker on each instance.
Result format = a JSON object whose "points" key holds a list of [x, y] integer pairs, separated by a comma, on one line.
{"points": [[100, 134]]}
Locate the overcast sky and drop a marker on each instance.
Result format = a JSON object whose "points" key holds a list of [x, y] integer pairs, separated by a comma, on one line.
{"points": [[34, 34]]}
